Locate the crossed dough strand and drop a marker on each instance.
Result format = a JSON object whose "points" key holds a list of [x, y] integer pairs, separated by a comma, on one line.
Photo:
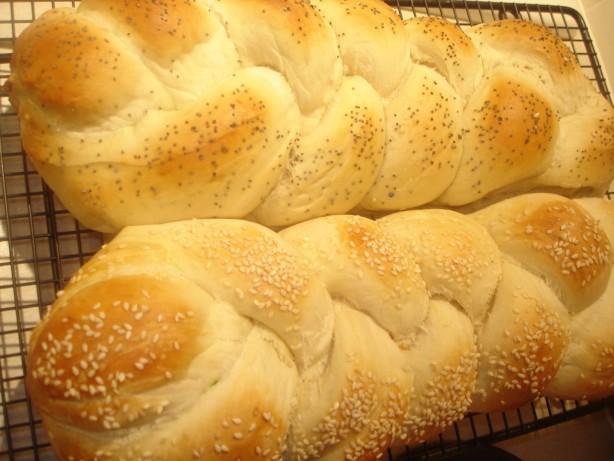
{"points": [[281, 111], [331, 339]]}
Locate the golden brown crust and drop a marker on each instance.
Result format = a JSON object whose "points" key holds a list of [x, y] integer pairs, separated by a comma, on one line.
{"points": [[180, 25], [69, 67], [520, 344], [510, 131], [238, 136], [158, 344], [113, 337], [451, 264], [557, 239], [367, 268], [336, 337], [377, 112], [231, 421], [587, 364]]}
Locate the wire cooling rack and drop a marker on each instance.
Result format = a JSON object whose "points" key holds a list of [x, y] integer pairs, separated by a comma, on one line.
{"points": [[41, 245]]}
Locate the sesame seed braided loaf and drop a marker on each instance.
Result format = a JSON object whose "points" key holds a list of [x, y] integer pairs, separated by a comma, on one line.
{"points": [[143, 112], [331, 339]]}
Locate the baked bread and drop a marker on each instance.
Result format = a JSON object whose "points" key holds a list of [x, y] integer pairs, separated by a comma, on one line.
{"points": [[331, 339], [319, 107]]}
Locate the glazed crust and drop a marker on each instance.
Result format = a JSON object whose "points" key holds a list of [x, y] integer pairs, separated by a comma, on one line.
{"points": [[283, 111], [331, 339]]}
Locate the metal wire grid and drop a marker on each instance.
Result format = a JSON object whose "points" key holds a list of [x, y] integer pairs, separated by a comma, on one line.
{"points": [[41, 245], [483, 430]]}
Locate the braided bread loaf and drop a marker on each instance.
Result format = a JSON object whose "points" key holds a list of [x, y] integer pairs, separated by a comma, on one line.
{"points": [[280, 111], [331, 339]]}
